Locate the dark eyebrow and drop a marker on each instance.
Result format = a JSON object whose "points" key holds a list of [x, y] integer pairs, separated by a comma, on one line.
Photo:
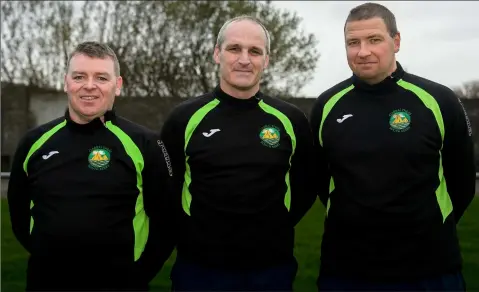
{"points": [[97, 73]]}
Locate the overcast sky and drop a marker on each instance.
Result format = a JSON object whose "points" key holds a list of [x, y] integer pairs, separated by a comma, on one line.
{"points": [[440, 39]]}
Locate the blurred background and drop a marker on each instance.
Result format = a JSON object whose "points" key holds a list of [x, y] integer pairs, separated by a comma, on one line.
{"points": [[165, 51]]}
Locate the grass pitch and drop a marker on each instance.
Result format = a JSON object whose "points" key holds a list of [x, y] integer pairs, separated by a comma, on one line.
{"points": [[308, 241]]}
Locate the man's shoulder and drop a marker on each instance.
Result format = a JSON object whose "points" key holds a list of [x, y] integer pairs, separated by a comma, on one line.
{"points": [[334, 90], [448, 101], [341, 87], [34, 134], [440, 92], [37, 132], [131, 126], [289, 109], [186, 108], [137, 132]]}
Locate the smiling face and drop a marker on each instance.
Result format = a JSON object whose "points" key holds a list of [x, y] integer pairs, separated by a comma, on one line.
{"points": [[242, 57], [370, 49], [91, 85]]}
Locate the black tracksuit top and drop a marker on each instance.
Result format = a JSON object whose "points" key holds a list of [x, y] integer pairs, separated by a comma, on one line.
{"points": [[93, 194], [247, 177], [396, 173]]}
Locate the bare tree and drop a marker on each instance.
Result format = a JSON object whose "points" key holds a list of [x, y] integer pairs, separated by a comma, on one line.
{"points": [[36, 39], [293, 54], [468, 89], [165, 48]]}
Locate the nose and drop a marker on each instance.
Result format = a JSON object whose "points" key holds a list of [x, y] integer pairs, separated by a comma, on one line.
{"points": [[364, 51], [244, 58], [89, 84]]}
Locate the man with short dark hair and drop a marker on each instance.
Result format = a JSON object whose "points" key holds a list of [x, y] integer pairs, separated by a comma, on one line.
{"points": [[88, 193], [395, 157], [244, 166]]}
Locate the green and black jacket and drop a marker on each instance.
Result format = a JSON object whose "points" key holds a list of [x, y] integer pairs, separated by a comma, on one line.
{"points": [[396, 173], [97, 193], [247, 166]]}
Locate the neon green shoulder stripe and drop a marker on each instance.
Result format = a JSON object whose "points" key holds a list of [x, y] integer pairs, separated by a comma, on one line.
{"points": [[429, 101], [442, 196], [326, 110], [288, 126], [40, 142], [47, 135], [141, 220], [328, 107], [194, 121]]}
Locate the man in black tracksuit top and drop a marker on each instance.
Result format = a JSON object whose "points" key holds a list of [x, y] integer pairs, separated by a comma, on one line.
{"points": [[246, 160], [396, 164], [88, 192]]}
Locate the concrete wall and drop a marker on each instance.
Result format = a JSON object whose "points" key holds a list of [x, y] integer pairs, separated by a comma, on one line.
{"points": [[15, 117], [46, 106], [23, 108], [3, 187]]}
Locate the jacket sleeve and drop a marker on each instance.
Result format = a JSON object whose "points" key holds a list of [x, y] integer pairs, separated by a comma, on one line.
{"points": [[158, 202], [458, 156], [303, 171], [173, 136], [19, 196], [323, 174]]}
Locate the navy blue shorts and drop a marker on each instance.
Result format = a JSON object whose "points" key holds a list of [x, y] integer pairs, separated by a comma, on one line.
{"points": [[186, 276]]}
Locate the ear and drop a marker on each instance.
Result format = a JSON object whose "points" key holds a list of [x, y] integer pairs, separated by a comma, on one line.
{"points": [[397, 42], [65, 88], [119, 84], [266, 62], [216, 55]]}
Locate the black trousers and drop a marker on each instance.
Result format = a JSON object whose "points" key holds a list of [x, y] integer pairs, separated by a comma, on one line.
{"points": [[447, 282]]}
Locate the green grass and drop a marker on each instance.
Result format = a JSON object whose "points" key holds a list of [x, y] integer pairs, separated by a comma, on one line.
{"points": [[308, 240]]}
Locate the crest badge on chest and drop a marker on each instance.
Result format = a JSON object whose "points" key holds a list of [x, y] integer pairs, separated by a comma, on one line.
{"points": [[270, 136], [400, 120]]}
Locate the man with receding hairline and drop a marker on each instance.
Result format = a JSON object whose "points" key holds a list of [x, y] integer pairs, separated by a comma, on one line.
{"points": [[89, 191], [396, 169], [246, 160]]}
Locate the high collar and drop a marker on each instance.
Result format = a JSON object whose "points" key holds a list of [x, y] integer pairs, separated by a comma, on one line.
{"points": [[237, 102], [90, 127], [386, 85]]}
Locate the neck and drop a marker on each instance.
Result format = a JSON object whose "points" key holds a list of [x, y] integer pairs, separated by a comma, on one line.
{"points": [[81, 119], [238, 93]]}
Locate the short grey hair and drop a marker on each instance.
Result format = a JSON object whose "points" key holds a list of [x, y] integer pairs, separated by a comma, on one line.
{"points": [[371, 10], [221, 35], [95, 50]]}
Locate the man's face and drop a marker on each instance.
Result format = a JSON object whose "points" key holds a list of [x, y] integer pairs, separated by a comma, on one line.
{"points": [[242, 56], [91, 85], [370, 49]]}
